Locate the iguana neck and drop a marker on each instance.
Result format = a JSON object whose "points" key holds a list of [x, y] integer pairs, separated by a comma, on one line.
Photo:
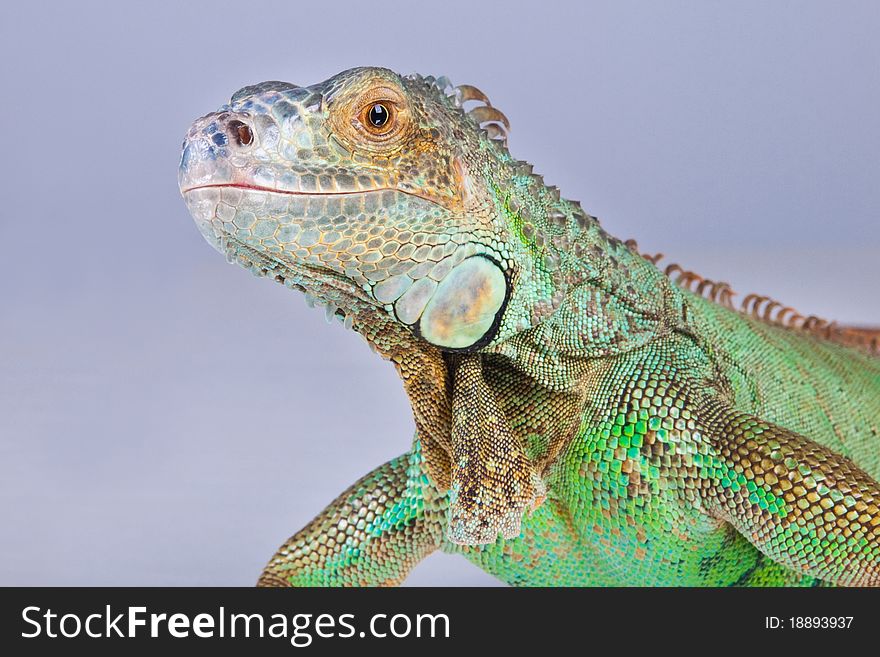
{"points": [[583, 293]]}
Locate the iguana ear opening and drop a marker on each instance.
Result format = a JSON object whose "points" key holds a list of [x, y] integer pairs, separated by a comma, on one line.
{"points": [[493, 481]]}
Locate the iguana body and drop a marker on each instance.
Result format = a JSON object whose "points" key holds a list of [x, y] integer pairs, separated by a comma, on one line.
{"points": [[580, 419]]}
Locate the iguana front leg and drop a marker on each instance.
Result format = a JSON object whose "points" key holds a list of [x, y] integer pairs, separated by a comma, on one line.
{"points": [[799, 503], [371, 535]]}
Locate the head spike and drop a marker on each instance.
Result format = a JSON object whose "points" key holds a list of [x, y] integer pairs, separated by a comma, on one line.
{"points": [[443, 83], [485, 113], [466, 92], [496, 132]]}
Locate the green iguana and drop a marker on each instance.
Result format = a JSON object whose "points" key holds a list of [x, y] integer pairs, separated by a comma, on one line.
{"points": [[580, 418]]}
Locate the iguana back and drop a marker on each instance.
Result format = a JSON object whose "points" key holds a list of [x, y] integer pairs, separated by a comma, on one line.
{"points": [[798, 380]]}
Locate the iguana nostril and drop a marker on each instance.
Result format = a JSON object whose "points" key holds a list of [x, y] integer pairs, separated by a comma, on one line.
{"points": [[240, 132]]}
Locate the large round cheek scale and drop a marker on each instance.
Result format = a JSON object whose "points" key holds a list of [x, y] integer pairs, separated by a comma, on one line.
{"points": [[464, 305]]}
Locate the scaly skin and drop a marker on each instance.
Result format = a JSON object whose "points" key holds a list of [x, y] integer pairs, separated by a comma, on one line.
{"points": [[579, 418]]}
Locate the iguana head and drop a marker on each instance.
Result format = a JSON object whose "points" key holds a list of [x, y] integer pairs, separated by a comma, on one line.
{"points": [[376, 191]]}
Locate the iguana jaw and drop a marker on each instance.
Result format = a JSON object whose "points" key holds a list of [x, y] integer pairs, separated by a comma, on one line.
{"points": [[383, 243], [309, 239], [342, 298]]}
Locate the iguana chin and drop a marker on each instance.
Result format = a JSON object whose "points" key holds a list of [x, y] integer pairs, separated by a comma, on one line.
{"points": [[580, 419]]}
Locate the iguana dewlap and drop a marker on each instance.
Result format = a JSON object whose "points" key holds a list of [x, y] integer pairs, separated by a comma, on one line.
{"points": [[580, 419]]}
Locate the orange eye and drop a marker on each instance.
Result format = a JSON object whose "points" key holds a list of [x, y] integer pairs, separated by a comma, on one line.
{"points": [[378, 118]]}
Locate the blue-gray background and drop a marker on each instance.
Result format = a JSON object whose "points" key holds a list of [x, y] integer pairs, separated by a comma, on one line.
{"points": [[168, 419]]}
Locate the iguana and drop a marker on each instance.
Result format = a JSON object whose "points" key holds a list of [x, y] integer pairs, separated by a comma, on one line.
{"points": [[580, 418]]}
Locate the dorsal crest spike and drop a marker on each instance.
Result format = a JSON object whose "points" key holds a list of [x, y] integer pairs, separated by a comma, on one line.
{"points": [[524, 168], [765, 309]]}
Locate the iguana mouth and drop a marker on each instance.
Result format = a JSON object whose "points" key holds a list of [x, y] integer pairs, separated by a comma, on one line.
{"points": [[274, 190], [290, 192]]}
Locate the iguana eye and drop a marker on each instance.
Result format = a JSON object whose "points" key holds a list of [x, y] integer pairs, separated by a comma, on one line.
{"points": [[379, 118], [378, 115]]}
